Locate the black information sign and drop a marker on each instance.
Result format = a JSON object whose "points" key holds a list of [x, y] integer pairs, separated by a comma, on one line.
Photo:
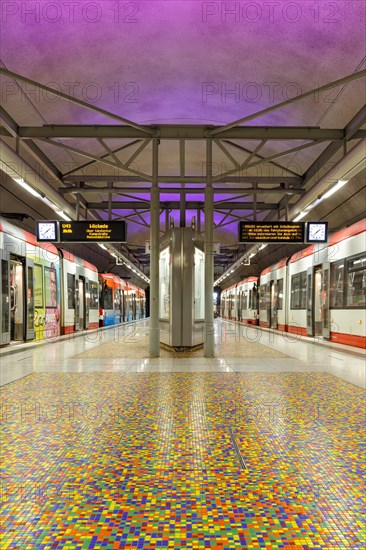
{"points": [[93, 231], [271, 232]]}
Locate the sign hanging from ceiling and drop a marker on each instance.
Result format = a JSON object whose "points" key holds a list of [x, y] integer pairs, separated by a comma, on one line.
{"points": [[81, 232], [98, 232], [271, 232]]}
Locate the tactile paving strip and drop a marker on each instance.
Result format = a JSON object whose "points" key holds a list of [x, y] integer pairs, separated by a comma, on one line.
{"points": [[114, 460]]}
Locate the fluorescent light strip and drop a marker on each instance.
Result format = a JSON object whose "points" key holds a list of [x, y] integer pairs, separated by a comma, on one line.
{"points": [[28, 188], [334, 189]]}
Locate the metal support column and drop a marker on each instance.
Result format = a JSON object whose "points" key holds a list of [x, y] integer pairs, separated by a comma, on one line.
{"points": [[198, 220], [182, 206], [77, 206], [209, 256], [154, 347], [110, 185]]}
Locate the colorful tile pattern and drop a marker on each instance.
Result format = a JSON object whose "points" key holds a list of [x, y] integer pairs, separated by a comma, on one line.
{"points": [[145, 461]]}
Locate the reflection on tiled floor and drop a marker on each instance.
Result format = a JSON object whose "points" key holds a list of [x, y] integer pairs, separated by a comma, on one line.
{"points": [[119, 460]]}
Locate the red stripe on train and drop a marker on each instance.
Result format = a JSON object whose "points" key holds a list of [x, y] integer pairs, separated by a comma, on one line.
{"points": [[348, 339]]}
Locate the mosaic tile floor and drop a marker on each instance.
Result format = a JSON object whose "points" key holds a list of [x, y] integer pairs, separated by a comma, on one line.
{"points": [[147, 461]]}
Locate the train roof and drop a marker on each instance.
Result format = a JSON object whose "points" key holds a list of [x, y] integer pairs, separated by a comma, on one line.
{"points": [[25, 236], [335, 238], [275, 266], [72, 258]]}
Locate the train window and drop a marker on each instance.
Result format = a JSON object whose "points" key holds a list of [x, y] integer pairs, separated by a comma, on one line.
{"points": [[117, 299], [337, 284], [70, 291], [295, 291], [50, 286], [303, 290], [280, 293], [5, 295], [93, 304], [245, 299], [38, 285], [262, 297], [356, 281], [108, 297]]}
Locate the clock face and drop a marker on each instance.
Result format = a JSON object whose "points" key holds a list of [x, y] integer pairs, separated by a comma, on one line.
{"points": [[317, 232], [47, 231]]}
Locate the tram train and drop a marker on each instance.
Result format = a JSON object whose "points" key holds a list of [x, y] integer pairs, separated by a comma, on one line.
{"points": [[319, 291], [46, 291]]}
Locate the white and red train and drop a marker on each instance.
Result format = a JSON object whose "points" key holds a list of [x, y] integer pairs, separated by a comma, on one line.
{"points": [[319, 291], [46, 291]]}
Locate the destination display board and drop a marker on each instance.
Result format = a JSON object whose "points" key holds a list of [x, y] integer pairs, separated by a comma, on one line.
{"points": [[93, 231], [271, 232]]}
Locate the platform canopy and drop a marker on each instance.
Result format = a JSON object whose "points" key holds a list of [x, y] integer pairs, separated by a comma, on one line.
{"points": [[279, 88]]}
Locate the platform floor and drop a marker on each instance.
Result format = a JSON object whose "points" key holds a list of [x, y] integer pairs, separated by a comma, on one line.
{"points": [[177, 453]]}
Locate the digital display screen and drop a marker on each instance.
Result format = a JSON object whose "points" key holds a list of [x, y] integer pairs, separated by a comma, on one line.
{"points": [[271, 232], [93, 231]]}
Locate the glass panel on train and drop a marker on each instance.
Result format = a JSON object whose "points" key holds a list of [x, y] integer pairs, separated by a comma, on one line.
{"points": [[356, 282], [303, 290], [5, 295], [337, 284], [295, 291], [93, 304], [30, 303], [107, 296], [280, 294], [38, 285], [50, 286], [70, 291]]}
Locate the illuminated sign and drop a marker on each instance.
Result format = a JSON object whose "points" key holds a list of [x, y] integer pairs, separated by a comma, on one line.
{"points": [[271, 232], [97, 232]]}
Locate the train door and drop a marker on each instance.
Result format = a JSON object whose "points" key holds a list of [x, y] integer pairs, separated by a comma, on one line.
{"points": [[134, 307], [77, 305], [21, 299], [240, 305], [309, 303], [5, 297], [121, 304], [81, 299], [273, 321], [268, 302], [325, 300], [318, 314], [86, 302], [29, 285]]}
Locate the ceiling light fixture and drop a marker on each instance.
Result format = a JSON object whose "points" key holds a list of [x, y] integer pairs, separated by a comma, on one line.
{"points": [[28, 188]]}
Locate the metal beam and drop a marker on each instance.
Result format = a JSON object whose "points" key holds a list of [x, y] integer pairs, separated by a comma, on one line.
{"points": [[179, 190], [184, 131], [261, 180], [249, 151], [245, 163], [95, 157], [318, 90], [74, 100], [68, 175], [175, 205]]}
